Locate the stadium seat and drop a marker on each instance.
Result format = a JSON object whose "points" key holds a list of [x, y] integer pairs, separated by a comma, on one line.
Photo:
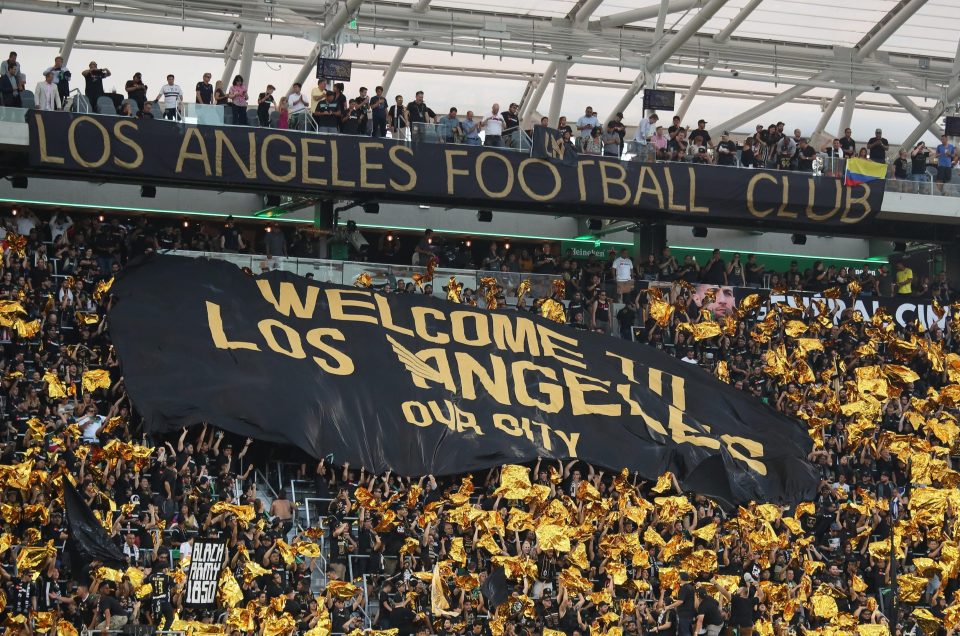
{"points": [[134, 108], [105, 106], [26, 99], [274, 119], [252, 119]]}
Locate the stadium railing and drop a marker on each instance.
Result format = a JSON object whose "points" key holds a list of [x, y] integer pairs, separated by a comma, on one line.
{"points": [[346, 272]]}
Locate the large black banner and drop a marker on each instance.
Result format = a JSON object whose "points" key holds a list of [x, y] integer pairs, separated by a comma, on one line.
{"points": [[263, 159], [420, 385]]}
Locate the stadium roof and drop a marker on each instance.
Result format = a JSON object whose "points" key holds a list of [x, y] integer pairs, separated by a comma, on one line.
{"points": [[887, 55]]}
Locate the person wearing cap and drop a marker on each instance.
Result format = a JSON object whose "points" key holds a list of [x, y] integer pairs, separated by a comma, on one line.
{"points": [[618, 126], [136, 90], [805, 155], [726, 151], [700, 136], [878, 147], [110, 613]]}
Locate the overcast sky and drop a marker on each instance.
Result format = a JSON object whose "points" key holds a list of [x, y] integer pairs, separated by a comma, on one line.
{"points": [[442, 90]]}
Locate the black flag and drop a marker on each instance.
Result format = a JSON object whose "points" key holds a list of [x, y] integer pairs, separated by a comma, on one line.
{"points": [[548, 143], [88, 540], [495, 588]]}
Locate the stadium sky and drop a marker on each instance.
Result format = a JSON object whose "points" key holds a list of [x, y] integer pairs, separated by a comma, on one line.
{"points": [[933, 31]]}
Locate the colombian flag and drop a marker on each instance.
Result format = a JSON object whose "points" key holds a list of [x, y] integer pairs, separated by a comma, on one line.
{"points": [[863, 170]]}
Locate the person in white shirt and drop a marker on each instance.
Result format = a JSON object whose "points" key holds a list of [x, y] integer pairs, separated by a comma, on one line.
{"points": [[492, 126], [623, 271], [690, 357], [172, 98], [645, 129], [587, 123], [298, 106], [60, 224], [46, 94]]}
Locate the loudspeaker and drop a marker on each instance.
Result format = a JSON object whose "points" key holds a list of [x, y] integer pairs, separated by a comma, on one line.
{"points": [[952, 126], [594, 224], [699, 231], [799, 239], [272, 200], [900, 246], [148, 192], [484, 216], [324, 216], [18, 181], [371, 208]]}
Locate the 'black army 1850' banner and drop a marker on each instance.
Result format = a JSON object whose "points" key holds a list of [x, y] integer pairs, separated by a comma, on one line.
{"points": [[263, 159], [420, 385]]}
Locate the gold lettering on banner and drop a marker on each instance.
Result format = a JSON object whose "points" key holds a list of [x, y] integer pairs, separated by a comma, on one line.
{"points": [[45, 155], [495, 383], [307, 158], [420, 324], [751, 186], [422, 371], [553, 392], [220, 340], [525, 187], [386, 316], [512, 426], [335, 179], [480, 333], [366, 166], [129, 143], [785, 199], [838, 194], [862, 200], [395, 152], [620, 180], [518, 335], [452, 172], [554, 147], [249, 169], [693, 193], [186, 152], [416, 413], [549, 342], [671, 206], [446, 413], [294, 348], [481, 180], [289, 299], [339, 300], [579, 385], [342, 363], [72, 142], [581, 179], [646, 172], [753, 448], [290, 160]]}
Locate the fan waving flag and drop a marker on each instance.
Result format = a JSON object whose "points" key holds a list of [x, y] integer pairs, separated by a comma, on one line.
{"points": [[861, 171]]}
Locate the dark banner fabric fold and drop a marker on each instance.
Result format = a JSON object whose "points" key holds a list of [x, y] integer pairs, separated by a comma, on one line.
{"points": [[419, 385], [88, 540]]}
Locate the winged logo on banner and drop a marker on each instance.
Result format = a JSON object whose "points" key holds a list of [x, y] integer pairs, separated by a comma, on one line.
{"points": [[414, 365]]}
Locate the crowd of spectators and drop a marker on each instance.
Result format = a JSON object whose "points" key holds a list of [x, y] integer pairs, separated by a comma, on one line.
{"points": [[633, 556], [327, 109]]}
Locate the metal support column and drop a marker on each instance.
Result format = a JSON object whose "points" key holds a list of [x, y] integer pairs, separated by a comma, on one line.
{"points": [[71, 38], [846, 115], [663, 54], [827, 114], [230, 63], [765, 107], [528, 107], [329, 31], [391, 71], [246, 57], [556, 100]]}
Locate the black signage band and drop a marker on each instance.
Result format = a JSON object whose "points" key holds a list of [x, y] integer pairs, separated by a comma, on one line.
{"points": [[288, 161]]}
